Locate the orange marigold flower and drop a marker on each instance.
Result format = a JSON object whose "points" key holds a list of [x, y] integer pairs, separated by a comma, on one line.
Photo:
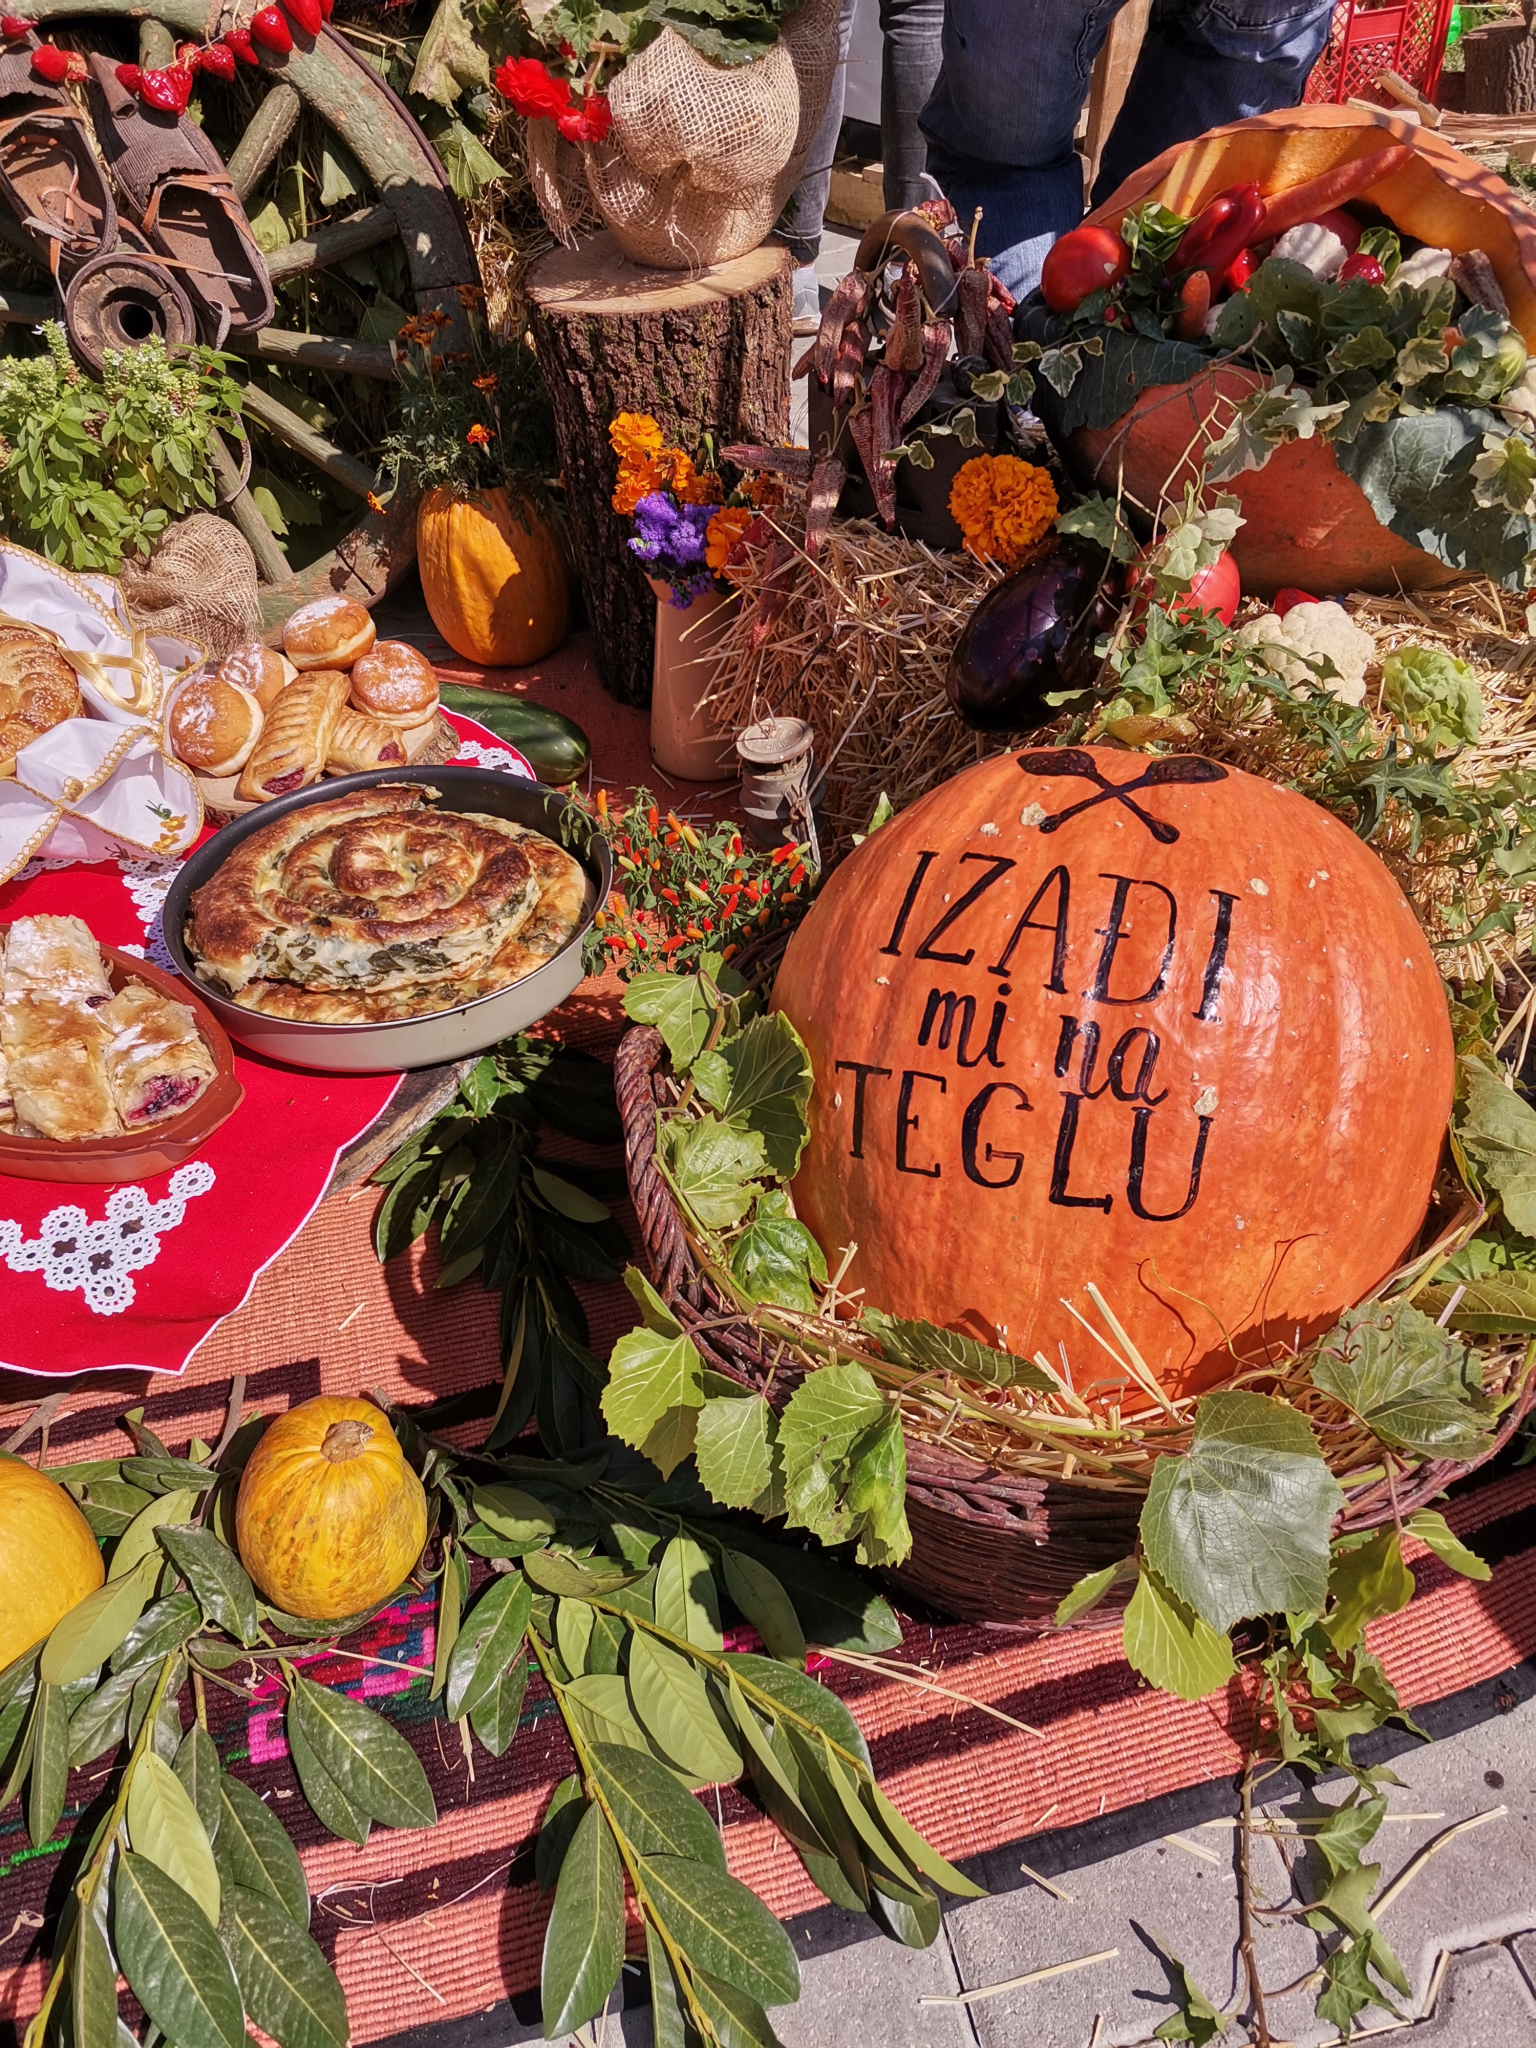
{"points": [[702, 487], [470, 296], [1002, 506], [766, 493], [634, 435], [478, 436], [375, 502], [486, 383], [639, 475], [723, 532]]}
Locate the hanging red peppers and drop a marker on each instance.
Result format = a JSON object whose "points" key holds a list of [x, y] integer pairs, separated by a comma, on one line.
{"points": [[271, 30], [169, 91], [305, 15], [239, 40]]}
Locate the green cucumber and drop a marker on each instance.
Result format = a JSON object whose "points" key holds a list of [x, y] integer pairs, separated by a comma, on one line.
{"points": [[556, 748]]}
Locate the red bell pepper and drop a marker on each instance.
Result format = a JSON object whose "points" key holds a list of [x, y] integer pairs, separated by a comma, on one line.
{"points": [[1221, 232], [269, 27], [169, 90], [130, 77], [51, 63], [219, 59], [304, 14], [1284, 599]]}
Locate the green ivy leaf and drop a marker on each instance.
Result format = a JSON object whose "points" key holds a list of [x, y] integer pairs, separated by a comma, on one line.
{"points": [[1503, 1305], [734, 1446], [1197, 2019], [1497, 1127], [1367, 1580], [760, 1081], [584, 1942], [655, 1389], [1240, 1525], [163, 1825], [288, 1987], [1411, 1383], [373, 1764], [1171, 1646], [171, 1957], [712, 1166], [678, 1007], [1091, 1589], [253, 1850]]}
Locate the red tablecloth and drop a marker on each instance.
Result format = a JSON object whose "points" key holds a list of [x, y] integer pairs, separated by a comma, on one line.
{"points": [[93, 1278]]}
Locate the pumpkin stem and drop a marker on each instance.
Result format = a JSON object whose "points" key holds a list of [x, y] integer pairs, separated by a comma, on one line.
{"points": [[345, 1440]]}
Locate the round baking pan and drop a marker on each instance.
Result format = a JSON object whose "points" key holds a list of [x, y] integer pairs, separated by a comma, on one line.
{"points": [[418, 1041], [157, 1147]]}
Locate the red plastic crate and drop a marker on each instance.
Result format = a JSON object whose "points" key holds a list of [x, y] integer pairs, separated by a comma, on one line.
{"points": [[1364, 41]]}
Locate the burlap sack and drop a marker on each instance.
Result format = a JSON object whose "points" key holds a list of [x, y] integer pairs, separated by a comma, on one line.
{"points": [[198, 584], [702, 156]]}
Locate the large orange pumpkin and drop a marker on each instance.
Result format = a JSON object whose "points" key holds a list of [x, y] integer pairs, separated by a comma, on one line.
{"points": [[49, 1560], [1083, 1015], [1308, 523], [493, 577], [329, 1517]]}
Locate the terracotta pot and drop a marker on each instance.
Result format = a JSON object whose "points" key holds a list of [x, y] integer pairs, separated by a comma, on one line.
{"points": [[1308, 524], [684, 739]]}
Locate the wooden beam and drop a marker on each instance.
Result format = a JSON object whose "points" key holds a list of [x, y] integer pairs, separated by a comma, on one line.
{"points": [[271, 562], [332, 244], [269, 128], [319, 352], [1111, 79], [299, 435], [157, 46]]}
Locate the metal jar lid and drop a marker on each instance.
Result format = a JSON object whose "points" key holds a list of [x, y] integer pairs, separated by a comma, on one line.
{"points": [[774, 742]]}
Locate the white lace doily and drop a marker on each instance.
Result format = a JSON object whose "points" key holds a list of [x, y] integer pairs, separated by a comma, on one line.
{"points": [[148, 883], [472, 755], [99, 1259]]}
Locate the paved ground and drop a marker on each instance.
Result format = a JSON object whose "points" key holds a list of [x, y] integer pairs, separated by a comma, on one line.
{"points": [[1464, 1927]]}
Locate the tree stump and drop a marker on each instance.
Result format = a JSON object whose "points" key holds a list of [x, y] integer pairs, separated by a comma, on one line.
{"points": [[704, 353], [1500, 69]]}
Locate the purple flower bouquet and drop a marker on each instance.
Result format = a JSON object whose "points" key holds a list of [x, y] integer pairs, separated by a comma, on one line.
{"points": [[669, 540]]}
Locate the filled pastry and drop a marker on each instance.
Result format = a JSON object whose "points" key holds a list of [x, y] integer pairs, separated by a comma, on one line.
{"points": [[360, 743], [292, 748], [157, 1063], [55, 1054]]}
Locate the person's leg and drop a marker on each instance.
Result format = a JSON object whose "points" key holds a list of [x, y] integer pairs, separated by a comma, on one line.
{"points": [[1205, 62], [1001, 120], [799, 225], [912, 39]]}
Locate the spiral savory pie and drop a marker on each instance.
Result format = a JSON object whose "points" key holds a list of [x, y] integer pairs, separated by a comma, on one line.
{"points": [[374, 908]]}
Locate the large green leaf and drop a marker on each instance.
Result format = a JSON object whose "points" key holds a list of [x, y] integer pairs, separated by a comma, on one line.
{"points": [[651, 1810], [825, 1416], [1171, 1646], [99, 1722], [288, 1987], [837, 1607], [163, 1825], [332, 1808], [1410, 1382], [687, 1604], [1240, 1525], [918, 1851], [172, 1959], [738, 2021], [1432, 1528], [678, 1007], [601, 1704], [489, 1638], [513, 1513], [1497, 1128], [93, 1988], [138, 1541], [1108, 385], [775, 1256], [722, 1926], [929, 1348], [763, 1600], [372, 1763], [584, 1941], [559, 1824], [655, 1386], [159, 1629], [254, 1851], [1416, 471], [760, 1081], [1367, 1580], [734, 1447], [495, 1716], [1502, 1305], [674, 1707], [803, 1697], [88, 1634], [669, 2014], [216, 1576], [713, 1167], [50, 1763]]}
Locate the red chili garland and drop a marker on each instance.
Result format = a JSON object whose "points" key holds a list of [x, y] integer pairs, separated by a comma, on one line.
{"points": [[169, 88]]}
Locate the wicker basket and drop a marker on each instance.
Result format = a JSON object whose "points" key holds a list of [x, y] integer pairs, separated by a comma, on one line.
{"points": [[987, 1546]]}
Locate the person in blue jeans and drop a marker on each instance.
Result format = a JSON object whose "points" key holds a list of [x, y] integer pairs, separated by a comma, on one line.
{"points": [[1000, 122], [909, 65]]}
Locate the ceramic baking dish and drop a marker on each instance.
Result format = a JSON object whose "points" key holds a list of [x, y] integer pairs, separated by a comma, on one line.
{"points": [[159, 1147], [418, 1041]]}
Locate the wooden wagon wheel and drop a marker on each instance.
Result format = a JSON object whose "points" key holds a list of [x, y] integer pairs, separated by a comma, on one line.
{"points": [[414, 202]]}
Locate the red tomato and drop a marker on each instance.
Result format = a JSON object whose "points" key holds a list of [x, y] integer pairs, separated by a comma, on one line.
{"points": [[1342, 224], [1215, 589], [1360, 265], [1084, 261]]}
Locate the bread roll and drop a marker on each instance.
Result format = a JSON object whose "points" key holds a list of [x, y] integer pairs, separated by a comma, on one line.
{"points": [[213, 725], [395, 683], [261, 670], [360, 743], [38, 690], [296, 739], [329, 633]]}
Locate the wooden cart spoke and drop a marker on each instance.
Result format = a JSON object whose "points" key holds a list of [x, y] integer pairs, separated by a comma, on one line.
{"points": [[265, 133], [333, 243], [321, 352], [299, 435]]}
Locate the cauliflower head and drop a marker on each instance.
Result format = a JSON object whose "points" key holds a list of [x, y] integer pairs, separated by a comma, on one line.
{"points": [[1307, 633]]}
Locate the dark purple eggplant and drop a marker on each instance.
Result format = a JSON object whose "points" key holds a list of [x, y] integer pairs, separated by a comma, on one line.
{"points": [[1033, 636]]}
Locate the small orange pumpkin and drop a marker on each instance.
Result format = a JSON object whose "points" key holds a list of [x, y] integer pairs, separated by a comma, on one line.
{"points": [[493, 577], [329, 1518], [49, 1560], [1082, 1015]]}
